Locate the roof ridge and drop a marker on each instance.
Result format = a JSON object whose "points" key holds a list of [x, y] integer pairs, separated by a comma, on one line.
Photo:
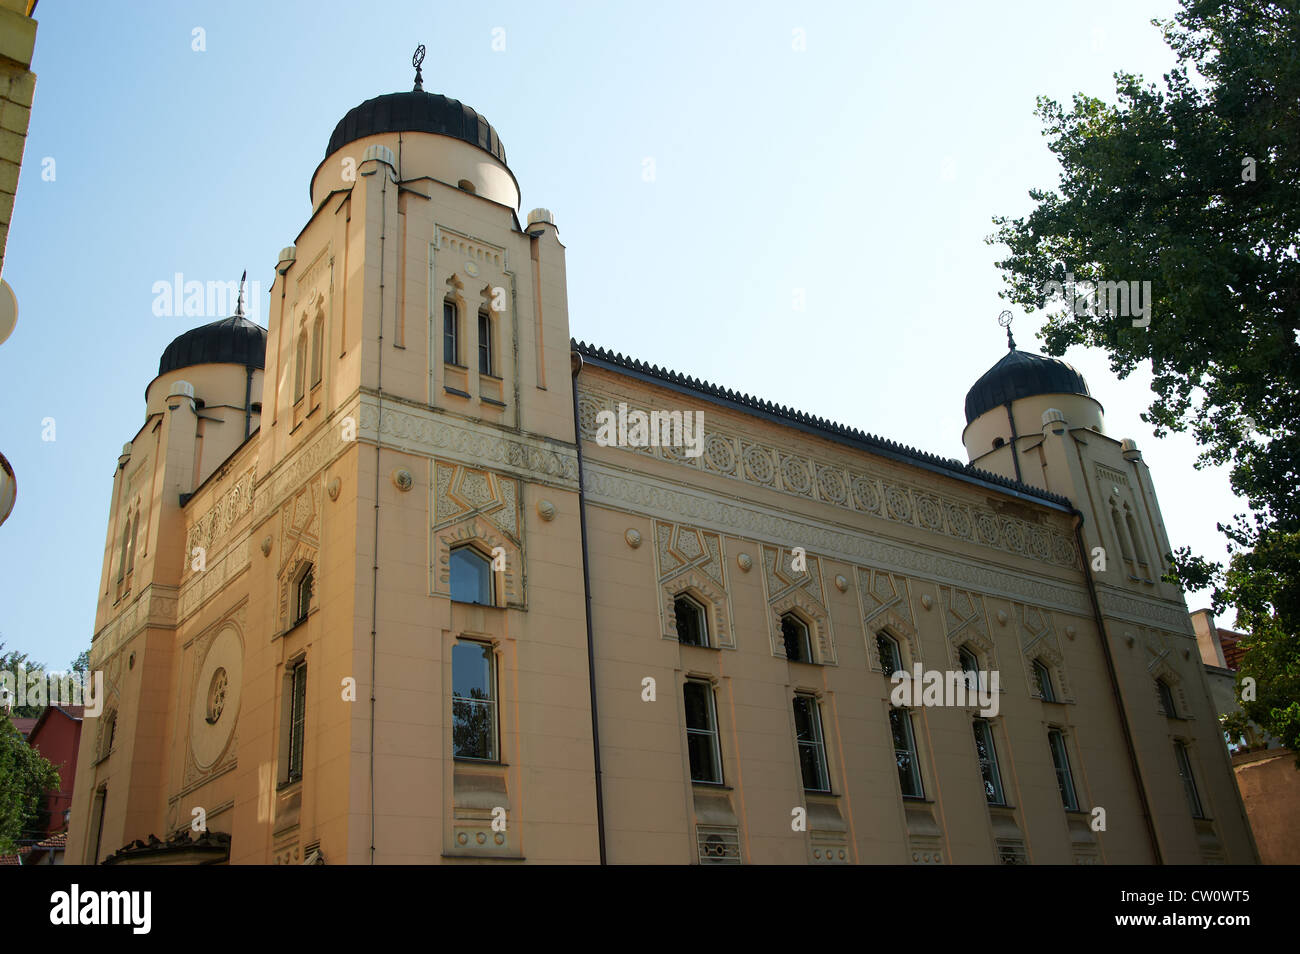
{"points": [[833, 428]]}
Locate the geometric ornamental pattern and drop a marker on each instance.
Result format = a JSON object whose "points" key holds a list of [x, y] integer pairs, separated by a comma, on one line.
{"points": [[964, 622], [854, 488], [1039, 642], [886, 605], [480, 508], [689, 560], [800, 592]]}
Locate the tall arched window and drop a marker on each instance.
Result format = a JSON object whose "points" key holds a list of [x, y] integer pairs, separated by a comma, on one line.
{"points": [[300, 368], [317, 348], [130, 550], [302, 593], [1043, 678], [450, 332], [1140, 552], [485, 343]]}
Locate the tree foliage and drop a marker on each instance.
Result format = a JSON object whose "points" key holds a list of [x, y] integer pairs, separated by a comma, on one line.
{"points": [[26, 778], [1194, 185]]}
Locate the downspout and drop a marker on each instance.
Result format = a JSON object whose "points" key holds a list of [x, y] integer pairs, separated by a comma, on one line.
{"points": [[586, 588], [374, 579], [248, 408], [1114, 685], [1015, 450]]}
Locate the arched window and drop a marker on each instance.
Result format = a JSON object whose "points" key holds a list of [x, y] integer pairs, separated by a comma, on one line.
{"points": [[110, 734], [450, 332], [302, 594], [798, 648], [126, 546], [1166, 699], [1119, 532], [1140, 552], [891, 660], [970, 665], [300, 368], [1043, 678], [485, 343], [471, 576], [692, 621], [317, 348]]}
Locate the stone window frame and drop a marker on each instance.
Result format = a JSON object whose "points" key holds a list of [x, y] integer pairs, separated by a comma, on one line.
{"points": [[476, 530]]}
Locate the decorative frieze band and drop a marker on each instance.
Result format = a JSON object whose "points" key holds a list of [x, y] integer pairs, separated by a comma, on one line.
{"points": [[857, 489]]}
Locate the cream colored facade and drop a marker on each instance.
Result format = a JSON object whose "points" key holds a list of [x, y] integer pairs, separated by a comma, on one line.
{"points": [[394, 458]]}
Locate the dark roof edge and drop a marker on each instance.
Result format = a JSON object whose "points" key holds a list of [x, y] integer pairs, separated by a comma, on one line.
{"points": [[820, 427]]}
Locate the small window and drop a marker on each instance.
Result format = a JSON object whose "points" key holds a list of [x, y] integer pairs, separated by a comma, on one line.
{"points": [[466, 186], [890, 658], [702, 732], [692, 622], [297, 719], [988, 759], [302, 594], [471, 576], [485, 343], [474, 702], [450, 333], [909, 770], [1189, 780], [1064, 778], [1166, 699], [1043, 677], [812, 746], [798, 648], [998, 442]]}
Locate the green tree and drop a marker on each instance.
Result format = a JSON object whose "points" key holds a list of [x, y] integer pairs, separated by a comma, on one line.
{"points": [[9, 662], [1193, 185], [26, 778]]}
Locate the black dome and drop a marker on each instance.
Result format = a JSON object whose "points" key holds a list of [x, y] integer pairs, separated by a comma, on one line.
{"points": [[416, 111], [234, 340], [1021, 374]]}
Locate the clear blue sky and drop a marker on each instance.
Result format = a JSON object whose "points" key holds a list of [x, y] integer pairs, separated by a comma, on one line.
{"points": [[864, 170]]}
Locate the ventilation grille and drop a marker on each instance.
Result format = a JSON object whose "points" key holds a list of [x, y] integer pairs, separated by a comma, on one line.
{"points": [[718, 846], [1012, 853]]}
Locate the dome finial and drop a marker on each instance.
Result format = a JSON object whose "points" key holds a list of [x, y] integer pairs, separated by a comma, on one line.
{"points": [[239, 305], [1004, 320], [416, 60]]}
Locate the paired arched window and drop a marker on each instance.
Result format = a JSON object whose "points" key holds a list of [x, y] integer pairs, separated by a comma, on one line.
{"points": [[317, 348], [470, 576]]}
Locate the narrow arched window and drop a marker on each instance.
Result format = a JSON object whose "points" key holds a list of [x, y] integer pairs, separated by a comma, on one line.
{"points": [[470, 576], [126, 546], [300, 368], [450, 333], [1139, 550], [485, 343], [302, 594], [692, 621], [1166, 699], [798, 647], [891, 660], [1043, 677], [317, 348]]}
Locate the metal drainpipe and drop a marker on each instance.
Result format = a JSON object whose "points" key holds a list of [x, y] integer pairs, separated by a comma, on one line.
{"points": [[374, 579], [248, 408], [586, 588], [1015, 452], [1114, 685]]}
